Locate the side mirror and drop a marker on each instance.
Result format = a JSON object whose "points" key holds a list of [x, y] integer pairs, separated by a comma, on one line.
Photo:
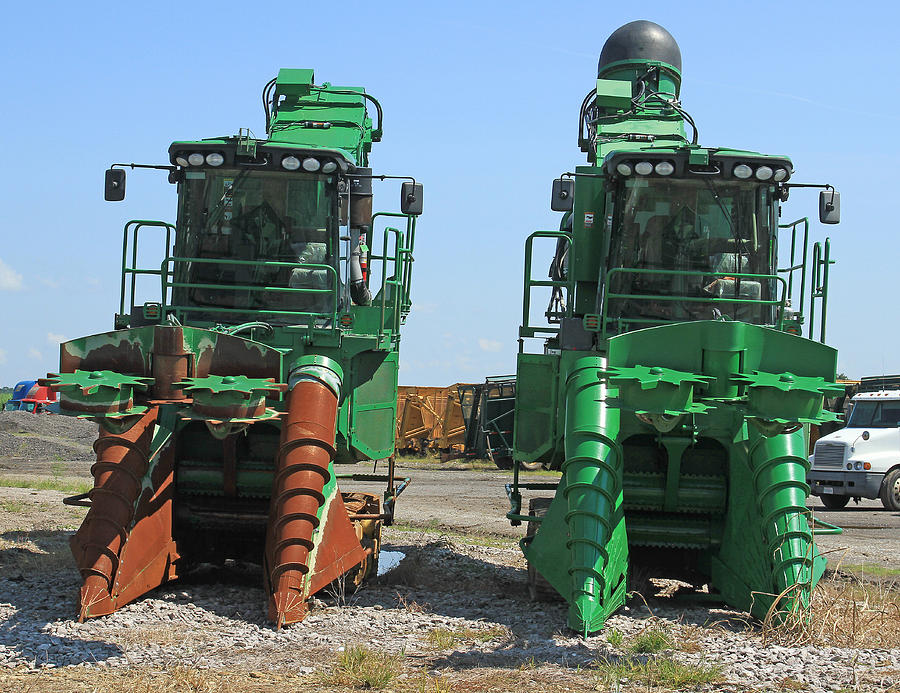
{"points": [[563, 197], [114, 188], [411, 198], [830, 206]]}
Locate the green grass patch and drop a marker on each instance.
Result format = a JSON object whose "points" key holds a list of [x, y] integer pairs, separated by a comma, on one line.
{"points": [[445, 638], [614, 637], [361, 667], [57, 469], [651, 641], [4, 398], [53, 484], [12, 506], [666, 673], [869, 569]]}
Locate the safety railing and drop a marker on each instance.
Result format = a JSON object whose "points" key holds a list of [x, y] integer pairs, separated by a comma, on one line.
{"points": [[622, 321], [797, 263], [396, 259], [170, 283], [130, 273], [821, 260], [818, 275], [527, 329], [396, 271]]}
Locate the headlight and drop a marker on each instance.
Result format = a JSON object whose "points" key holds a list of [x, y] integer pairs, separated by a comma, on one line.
{"points": [[780, 174], [664, 168], [329, 167], [644, 168], [857, 466], [290, 163], [310, 164], [181, 160], [215, 159], [623, 169], [196, 159], [850, 466], [742, 171], [764, 172]]}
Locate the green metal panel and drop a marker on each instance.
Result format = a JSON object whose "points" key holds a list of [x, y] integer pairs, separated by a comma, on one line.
{"points": [[374, 404], [536, 406]]}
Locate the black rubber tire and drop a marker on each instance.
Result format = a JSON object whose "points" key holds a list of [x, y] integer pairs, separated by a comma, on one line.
{"points": [[538, 588], [834, 502], [890, 490], [504, 462]]}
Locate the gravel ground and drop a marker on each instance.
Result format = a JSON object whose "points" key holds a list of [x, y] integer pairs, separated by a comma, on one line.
{"points": [[468, 583]]}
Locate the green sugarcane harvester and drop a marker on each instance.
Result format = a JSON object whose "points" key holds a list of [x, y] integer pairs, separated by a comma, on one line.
{"points": [[265, 359], [680, 387]]}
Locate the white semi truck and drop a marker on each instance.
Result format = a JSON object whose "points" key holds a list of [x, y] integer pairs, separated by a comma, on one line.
{"points": [[861, 460]]}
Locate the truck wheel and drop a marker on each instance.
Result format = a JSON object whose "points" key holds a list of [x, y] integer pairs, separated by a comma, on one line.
{"points": [[834, 502], [890, 490]]}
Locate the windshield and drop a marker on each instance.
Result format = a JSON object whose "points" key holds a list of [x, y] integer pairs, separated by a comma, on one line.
{"points": [[248, 218], [687, 239], [875, 415]]}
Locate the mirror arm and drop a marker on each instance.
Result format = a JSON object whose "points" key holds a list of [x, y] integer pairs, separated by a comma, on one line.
{"points": [[134, 166]]}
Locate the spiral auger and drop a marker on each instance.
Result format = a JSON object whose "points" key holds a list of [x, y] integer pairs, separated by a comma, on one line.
{"points": [[779, 475], [592, 471], [122, 463], [304, 493]]}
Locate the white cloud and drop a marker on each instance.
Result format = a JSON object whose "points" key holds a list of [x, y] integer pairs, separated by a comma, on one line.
{"points": [[34, 354], [489, 345], [53, 338], [10, 280], [2, 356]]}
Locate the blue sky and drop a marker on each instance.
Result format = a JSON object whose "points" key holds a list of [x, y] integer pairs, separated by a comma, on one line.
{"points": [[480, 100]]}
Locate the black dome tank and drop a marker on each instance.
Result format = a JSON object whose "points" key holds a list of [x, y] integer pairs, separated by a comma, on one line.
{"points": [[640, 40]]}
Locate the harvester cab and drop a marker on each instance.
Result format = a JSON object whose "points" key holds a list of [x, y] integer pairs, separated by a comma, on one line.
{"points": [[267, 353], [679, 385]]}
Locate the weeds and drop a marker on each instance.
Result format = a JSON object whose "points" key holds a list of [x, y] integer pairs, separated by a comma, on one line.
{"points": [[412, 607], [651, 641], [12, 506], [445, 638], [614, 637], [57, 469], [360, 667], [654, 672]]}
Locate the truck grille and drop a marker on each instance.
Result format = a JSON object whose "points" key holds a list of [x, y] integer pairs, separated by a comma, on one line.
{"points": [[830, 455]]}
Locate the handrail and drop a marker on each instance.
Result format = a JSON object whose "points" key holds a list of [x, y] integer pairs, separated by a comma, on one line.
{"points": [[407, 253], [527, 330], [166, 285], [793, 265], [604, 319], [821, 260], [136, 225]]}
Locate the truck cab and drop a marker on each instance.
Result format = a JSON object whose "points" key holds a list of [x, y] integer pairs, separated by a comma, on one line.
{"points": [[862, 460]]}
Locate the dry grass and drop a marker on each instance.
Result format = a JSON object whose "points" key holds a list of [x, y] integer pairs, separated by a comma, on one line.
{"points": [[178, 679], [34, 552], [446, 638], [847, 610]]}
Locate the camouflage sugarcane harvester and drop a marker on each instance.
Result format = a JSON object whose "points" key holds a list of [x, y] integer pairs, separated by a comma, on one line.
{"points": [[679, 385], [263, 359]]}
